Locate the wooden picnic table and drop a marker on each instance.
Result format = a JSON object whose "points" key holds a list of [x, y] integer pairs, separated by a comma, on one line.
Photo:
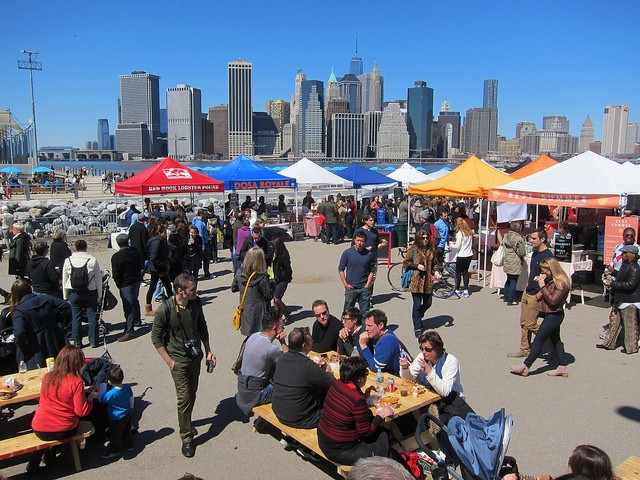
{"points": [[30, 389]]}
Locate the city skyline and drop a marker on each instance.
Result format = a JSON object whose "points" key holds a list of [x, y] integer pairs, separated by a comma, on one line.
{"points": [[547, 57]]}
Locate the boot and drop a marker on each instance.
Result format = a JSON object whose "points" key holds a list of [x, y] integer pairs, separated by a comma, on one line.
{"points": [[520, 369], [148, 311], [561, 371]]}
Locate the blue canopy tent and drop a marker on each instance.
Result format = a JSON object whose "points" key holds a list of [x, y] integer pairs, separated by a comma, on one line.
{"points": [[242, 173], [360, 176]]}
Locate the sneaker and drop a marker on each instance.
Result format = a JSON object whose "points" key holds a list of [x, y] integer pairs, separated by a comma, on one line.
{"points": [[309, 455], [126, 337], [108, 453], [465, 294], [129, 449], [289, 443], [209, 277], [518, 354], [457, 293]]}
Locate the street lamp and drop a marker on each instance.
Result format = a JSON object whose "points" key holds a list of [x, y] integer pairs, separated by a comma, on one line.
{"points": [[175, 142], [376, 147], [32, 65]]}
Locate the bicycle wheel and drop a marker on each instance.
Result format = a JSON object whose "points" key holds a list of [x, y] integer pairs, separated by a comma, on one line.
{"points": [[394, 277], [444, 287]]}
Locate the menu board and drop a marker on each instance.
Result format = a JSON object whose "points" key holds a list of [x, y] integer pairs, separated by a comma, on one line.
{"points": [[613, 228]]}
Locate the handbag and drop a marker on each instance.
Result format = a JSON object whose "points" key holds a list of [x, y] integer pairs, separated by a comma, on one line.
{"points": [[237, 315], [498, 256], [237, 365], [406, 278]]}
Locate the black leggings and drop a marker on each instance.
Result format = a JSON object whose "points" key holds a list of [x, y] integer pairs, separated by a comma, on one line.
{"points": [[50, 436], [155, 276], [462, 271]]}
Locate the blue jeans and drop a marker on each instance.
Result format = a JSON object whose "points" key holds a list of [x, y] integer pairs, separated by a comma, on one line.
{"points": [[360, 295], [510, 287], [84, 300], [233, 258], [421, 303], [265, 394], [131, 305], [549, 328]]}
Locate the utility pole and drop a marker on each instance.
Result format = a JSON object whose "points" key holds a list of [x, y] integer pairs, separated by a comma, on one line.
{"points": [[32, 65]]}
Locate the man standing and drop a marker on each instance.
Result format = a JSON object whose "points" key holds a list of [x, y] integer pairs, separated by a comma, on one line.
{"points": [[442, 227], [330, 212], [626, 290], [139, 235], [299, 385], [82, 287], [19, 251], [126, 266], [44, 276], [325, 329], [258, 363], [200, 222], [179, 332], [378, 345], [359, 265], [529, 308]]}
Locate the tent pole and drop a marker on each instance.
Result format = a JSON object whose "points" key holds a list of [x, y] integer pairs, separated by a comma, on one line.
{"points": [[481, 200], [537, 217], [486, 243]]}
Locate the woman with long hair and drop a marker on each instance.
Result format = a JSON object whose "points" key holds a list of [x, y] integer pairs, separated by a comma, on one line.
{"points": [[193, 260], [283, 274], [158, 266], [554, 289], [421, 258], [38, 324], [464, 243], [259, 293]]}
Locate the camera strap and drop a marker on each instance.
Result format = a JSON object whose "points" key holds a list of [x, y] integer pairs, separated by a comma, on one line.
{"points": [[176, 308]]}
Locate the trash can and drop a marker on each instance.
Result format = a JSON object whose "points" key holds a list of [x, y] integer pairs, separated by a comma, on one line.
{"points": [[382, 219], [400, 232]]}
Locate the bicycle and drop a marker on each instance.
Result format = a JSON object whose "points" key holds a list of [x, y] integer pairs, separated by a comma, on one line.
{"points": [[442, 288]]}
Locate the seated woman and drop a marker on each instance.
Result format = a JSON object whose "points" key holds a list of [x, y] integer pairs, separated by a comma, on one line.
{"points": [[347, 429], [62, 400], [439, 370], [38, 324], [591, 462]]}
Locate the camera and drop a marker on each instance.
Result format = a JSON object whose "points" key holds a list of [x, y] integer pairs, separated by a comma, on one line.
{"points": [[192, 348]]}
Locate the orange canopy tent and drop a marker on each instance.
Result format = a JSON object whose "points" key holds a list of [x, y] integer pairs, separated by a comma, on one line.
{"points": [[473, 178], [541, 163]]}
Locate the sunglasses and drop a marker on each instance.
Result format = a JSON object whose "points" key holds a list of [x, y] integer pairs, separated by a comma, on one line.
{"points": [[347, 319], [427, 349], [321, 314]]}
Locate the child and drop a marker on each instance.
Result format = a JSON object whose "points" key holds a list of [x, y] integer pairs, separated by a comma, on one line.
{"points": [[119, 402]]}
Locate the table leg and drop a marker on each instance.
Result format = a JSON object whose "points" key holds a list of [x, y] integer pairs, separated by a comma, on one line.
{"points": [[396, 433]]}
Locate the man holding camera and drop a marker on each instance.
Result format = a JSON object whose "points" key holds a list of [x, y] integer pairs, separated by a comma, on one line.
{"points": [[179, 332]]}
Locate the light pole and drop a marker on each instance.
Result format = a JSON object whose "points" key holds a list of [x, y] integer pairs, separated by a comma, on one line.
{"points": [[175, 142], [376, 148], [32, 65]]}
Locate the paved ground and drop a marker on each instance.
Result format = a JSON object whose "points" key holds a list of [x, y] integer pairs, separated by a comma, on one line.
{"points": [[597, 404]]}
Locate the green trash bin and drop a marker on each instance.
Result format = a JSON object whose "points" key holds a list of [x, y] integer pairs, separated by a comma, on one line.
{"points": [[400, 232]]}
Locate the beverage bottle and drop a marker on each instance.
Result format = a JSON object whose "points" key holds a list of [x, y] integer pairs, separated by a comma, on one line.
{"points": [[22, 370], [379, 376]]}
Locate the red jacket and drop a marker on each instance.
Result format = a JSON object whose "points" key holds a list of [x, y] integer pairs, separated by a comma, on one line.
{"points": [[60, 411]]}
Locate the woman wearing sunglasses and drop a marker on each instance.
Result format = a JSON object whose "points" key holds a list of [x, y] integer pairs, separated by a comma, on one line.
{"points": [[421, 258]]}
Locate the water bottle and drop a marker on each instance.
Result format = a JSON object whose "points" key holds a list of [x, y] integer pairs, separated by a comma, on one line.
{"points": [[379, 376], [22, 370]]}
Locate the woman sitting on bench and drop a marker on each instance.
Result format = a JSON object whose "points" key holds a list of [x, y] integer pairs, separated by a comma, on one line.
{"points": [[62, 402]]}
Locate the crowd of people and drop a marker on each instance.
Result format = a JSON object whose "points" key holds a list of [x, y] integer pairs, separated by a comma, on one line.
{"points": [[57, 288]]}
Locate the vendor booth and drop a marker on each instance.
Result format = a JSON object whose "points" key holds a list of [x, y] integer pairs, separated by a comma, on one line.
{"points": [[408, 175]]}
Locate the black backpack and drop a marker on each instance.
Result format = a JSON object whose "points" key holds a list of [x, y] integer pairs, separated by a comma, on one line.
{"points": [[79, 276]]}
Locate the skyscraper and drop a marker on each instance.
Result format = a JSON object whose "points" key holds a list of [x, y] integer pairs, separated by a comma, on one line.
{"points": [[296, 112], [419, 119], [348, 136], [376, 90], [139, 115], [351, 89], [490, 95], [448, 133], [355, 65], [481, 131], [587, 135], [614, 130], [184, 120], [240, 109], [336, 105], [219, 117], [555, 123], [393, 137], [525, 128], [104, 139], [312, 118], [371, 125], [333, 90]]}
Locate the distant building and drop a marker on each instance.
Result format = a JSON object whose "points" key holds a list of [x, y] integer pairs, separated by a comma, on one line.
{"points": [[587, 135], [614, 130], [596, 147], [104, 139], [240, 109], [420, 119], [633, 139], [376, 91], [393, 137], [481, 131], [549, 142], [525, 128], [207, 136], [510, 148], [138, 132], [351, 89], [348, 136], [448, 140], [280, 111], [219, 117], [312, 118], [490, 94], [355, 65], [333, 106], [265, 134], [296, 114], [555, 123], [184, 118], [371, 126]]}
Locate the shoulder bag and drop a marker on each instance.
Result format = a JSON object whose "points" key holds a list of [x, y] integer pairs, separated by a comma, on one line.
{"points": [[237, 315]]}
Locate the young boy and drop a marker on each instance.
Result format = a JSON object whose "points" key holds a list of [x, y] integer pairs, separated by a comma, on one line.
{"points": [[119, 402]]}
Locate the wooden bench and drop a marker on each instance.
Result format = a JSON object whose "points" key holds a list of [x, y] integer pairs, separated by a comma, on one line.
{"points": [[306, 437], [23, 444], [629, 469]]}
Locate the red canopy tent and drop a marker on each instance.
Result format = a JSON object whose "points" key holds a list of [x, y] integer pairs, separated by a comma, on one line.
{"points": [[168, 176]]}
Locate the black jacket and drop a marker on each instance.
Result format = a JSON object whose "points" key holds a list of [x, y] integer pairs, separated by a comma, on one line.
{"points": [[138, 237], [126, 266], [19, 253], [44, 276], [626, 283], [158, 255], [263, 243], [58, 253]]}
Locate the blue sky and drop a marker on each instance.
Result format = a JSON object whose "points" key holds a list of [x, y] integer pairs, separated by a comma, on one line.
{"points": [[564, 57]]}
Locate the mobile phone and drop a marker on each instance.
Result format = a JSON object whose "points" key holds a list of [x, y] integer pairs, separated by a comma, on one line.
{"points": [[209, 366]]}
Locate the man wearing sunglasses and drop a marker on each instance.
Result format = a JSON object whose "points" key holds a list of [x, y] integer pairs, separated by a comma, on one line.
{"points": [[325, 329]]}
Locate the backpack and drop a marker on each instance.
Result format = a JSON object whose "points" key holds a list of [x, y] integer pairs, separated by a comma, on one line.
{"points": [[79, 276]]}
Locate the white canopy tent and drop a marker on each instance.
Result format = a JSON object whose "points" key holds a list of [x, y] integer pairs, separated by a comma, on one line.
{"points": [[408, 175]]}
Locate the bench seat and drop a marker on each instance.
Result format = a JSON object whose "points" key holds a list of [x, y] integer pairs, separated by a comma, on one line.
{"points": [[28, 443], [629, 469]]}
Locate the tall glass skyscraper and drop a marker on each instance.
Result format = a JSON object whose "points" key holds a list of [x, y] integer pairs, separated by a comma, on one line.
{"points": [[312, 118], [240, 109], [351, 89], [184, 118], [104, 139], [420, 119], [490, 94]]}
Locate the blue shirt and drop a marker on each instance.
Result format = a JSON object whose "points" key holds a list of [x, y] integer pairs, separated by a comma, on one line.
{"points": [[118, 402], [358, 265], [386, 354], [443, 229], [202, 229]]}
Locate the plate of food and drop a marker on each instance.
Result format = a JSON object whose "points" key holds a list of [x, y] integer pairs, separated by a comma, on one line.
{"points": [[410, 386], [7, 393], [389, 401]]}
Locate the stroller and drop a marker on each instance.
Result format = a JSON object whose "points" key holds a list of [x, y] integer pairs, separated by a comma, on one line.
{"points": [[477, 445], [107, 302]]}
